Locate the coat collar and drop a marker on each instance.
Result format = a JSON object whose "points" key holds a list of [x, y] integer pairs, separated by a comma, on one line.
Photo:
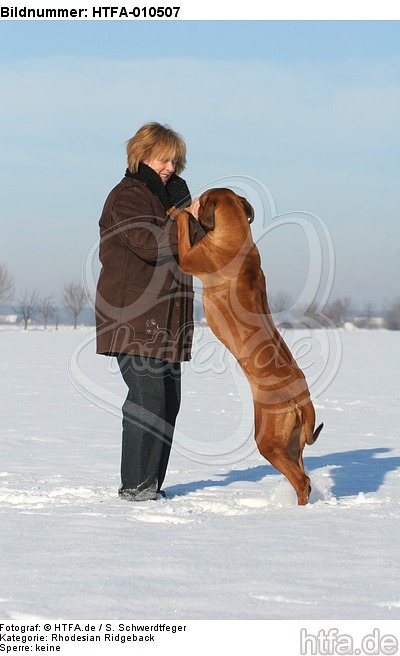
{"points": [[174, 194]]}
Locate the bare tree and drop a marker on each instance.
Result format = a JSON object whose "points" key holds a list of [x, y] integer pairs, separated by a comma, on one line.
{"points": [[45, 308], [369, 310], [27, 306], [74, 298], [392, 315], [6, 285], [280, 302], [339, 309], [366, 320]]}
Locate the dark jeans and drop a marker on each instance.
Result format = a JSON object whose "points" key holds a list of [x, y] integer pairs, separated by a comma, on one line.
{"points": [[148, 420]]}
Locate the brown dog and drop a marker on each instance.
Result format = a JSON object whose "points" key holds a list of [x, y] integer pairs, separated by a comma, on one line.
{"points": [[235, 303]]}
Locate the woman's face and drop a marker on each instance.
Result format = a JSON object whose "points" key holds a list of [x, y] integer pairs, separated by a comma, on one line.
{"points": [[164, 168]]}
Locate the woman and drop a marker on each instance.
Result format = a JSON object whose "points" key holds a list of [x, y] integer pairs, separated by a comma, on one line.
{"points": [[144, 303]]}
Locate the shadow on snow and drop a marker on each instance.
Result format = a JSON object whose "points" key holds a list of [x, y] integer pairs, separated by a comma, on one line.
{"points": [[352, 472]]}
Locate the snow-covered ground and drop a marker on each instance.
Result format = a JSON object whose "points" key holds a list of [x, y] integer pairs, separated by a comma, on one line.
{"points": [[229, 542]]}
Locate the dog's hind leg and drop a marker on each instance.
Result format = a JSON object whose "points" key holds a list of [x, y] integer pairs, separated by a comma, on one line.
{"points": [[285, 454], [279, 458], [296, 446]]}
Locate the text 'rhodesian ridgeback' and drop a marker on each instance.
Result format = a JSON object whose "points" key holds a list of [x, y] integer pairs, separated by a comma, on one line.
{"points": [[235, 303]]}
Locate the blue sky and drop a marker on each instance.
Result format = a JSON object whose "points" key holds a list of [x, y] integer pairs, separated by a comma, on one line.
{"points": [[307, 109]]}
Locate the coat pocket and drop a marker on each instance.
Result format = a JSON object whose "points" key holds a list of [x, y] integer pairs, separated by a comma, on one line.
{"points": [[148, 312]]}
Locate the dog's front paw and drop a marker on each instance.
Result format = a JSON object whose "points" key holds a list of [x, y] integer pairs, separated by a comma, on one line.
{"points": [[177, 214]]}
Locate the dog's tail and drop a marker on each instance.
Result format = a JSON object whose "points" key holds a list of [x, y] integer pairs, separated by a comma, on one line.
{"points": [[306, 419], [313, 438]]}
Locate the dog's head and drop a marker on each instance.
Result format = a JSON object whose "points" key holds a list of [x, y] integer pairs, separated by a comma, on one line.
{"points": [[214, 197]]}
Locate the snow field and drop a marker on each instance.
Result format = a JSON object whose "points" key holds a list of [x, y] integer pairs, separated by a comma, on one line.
{"points": [[229, 542]]}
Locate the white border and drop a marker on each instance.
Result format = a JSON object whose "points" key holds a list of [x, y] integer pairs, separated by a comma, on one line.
{"points": [[222, 10]]}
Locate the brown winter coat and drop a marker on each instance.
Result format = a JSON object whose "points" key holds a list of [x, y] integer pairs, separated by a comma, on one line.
{"points": [[144, 303]]}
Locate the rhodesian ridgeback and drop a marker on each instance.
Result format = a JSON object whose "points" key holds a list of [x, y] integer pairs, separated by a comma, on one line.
{"points": [[235, 303]]}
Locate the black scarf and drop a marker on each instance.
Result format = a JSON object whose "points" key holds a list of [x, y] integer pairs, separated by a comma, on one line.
{"points": [[173, 194]]}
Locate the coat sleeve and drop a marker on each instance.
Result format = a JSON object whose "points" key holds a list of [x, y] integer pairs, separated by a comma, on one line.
{"points": [[150, 236]]}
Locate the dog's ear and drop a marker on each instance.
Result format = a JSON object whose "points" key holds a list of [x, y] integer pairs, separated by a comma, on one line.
{"points": [[206, 214], [248, 209]]}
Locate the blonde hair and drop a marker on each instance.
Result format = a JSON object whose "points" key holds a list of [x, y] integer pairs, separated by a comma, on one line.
{"points": [[156, 141]]}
